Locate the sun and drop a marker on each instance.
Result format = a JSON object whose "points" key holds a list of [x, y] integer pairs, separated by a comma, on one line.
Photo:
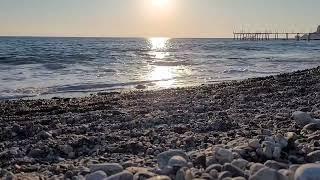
{"points": [[160, 3]]}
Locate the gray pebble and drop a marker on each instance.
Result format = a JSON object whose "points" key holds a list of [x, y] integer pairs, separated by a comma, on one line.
{"points": [[109, 168], [224, 174], [97, 175]]}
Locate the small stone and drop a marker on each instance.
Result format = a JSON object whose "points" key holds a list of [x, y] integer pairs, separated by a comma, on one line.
{"points": [[44, 135], [224, 174], [6, 175], [302, 118], [281, 140], [124, 175], [276, 153], [238, 178], [308, 172], [267, 174], [206, 176], [234, 170], [66, 149], [217, 167], [266, 132], [267, 149], [311, 127], [261, 116], [177, 161], [78, 177], [159, 178], [143, 175], [256, 167], [97, 175], [294, 167], [36, 153], [109, 168], [214, 173], [292, 136], [286, 173], [184, 174], [275, 165], [210, 160], [223, 155], [84, 170], [141, 86], [254, 143], [240, 163], [164, 157], [313, 156]]}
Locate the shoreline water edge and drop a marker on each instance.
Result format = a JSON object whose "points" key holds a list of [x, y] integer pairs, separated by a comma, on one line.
{"points": [[260, 128]]}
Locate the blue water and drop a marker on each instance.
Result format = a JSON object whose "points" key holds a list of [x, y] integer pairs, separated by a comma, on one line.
{"points": [[48, 67]]}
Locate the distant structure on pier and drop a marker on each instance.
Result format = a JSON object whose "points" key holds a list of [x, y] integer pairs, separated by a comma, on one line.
{"points": [[312, 36], [269, 35]]}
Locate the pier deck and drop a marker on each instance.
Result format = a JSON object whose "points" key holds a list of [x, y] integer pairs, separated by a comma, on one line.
{"points": [[260, 36]]}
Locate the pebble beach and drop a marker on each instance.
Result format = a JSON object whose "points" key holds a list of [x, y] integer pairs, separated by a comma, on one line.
{"points": [[256, 129]]}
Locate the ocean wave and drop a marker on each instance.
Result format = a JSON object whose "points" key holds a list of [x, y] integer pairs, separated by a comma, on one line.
{"points": [[233, 71]]}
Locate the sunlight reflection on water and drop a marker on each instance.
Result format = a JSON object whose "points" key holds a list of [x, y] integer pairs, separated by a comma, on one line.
{"points": [[163, 76]]}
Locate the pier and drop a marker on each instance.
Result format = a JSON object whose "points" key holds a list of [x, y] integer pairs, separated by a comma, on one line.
{"points": [[263, 36]]}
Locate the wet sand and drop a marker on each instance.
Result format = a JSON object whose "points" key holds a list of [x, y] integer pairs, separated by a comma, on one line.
{"points": [[63, 137]]}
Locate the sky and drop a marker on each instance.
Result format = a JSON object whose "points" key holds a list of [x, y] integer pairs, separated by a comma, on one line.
{"points": [[153, 18]]}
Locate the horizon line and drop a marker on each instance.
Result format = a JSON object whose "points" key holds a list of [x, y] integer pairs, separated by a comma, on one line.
{"points": [[133, 37]]}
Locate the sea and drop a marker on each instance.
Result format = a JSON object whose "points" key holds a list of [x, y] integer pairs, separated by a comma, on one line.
{"points": [[43, 67]]}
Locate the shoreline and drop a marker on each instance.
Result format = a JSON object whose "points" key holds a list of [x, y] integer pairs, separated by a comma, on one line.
{"points": [[240, 122]]}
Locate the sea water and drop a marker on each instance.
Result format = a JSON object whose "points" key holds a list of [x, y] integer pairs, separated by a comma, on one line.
{"points": [[43, 67]]}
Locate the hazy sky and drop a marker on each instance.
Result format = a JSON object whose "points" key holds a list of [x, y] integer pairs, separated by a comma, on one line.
{"points": [[146, 18]]}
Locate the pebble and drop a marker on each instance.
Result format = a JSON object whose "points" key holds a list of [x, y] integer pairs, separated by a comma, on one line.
{"points": [[276, 165], [276, 153], [239, 178], [234, 170], [214, 173], [254, 143], [164, 157], [109, 168], [177, 161], [281, 140], [97, 175], [44, 135], [292, 136], [159, 178], [313, 156], [223, 155], [144, 175], [256, 167], [124, 175], [267, 174], [217, 167], [240, 163], [36, 153], [140, 86], [311, 127], [308, 172], [66, 149], [294, 167], [267, 149], [184, 174], [224, 174], [302, 118], [287, 173], [266, 132]]}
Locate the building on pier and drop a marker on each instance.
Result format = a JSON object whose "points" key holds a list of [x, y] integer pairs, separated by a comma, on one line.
{"points": [[312, 36]]}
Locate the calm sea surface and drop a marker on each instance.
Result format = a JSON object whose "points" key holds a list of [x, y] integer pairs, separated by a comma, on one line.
{"points": [[48, 67]]}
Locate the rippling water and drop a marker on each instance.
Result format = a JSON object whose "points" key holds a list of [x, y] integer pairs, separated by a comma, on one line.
{"points": [[47, 67]]}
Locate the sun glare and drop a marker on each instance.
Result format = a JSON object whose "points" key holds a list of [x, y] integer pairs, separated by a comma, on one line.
{"points": [[160, 3]]}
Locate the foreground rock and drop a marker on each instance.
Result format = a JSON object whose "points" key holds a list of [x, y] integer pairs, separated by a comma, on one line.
{"points": [[308, 172]]}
